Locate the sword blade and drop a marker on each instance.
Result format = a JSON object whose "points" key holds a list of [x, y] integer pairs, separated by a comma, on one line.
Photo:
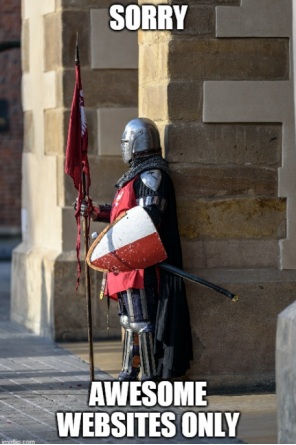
{"points": [[188, 276]]}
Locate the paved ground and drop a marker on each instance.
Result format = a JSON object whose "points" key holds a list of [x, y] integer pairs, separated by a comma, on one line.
{"points": [[39, 378], [258, 411]]}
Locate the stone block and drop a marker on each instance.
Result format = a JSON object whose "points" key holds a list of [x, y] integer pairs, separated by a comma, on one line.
{"points": [[234, 343], [25, 48], [105, 173], [39, 200], [49, 90], [73, 22], [193, 180], [19, 301], [60, 101], [152, 37], [103, 88], [153, 62], [111, 49], [54, 141], [199, 21], [111, 123], [47, 8], [230, 253], [255, 19], [220, 144], [61, 180], [52, 37], [157, 105], [92, 128], [252, 101], [231, 59], [69, 230], [31, 304], [29, 8], [185, 101], [66, 182], [232, 218], [27, 98], [286, 375], [29, 141]]}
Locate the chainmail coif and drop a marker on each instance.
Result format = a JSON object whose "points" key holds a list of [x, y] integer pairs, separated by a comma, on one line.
{"points": [[140, 165]]}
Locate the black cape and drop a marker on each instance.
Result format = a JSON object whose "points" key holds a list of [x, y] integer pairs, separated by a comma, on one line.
{"points": [[173, 340]]}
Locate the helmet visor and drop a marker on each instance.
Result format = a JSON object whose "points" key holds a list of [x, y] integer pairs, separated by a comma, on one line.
{"points": [[126, 151]]}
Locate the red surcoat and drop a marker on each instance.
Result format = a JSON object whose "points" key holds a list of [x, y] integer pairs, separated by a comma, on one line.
{"points": [[124, 200]]}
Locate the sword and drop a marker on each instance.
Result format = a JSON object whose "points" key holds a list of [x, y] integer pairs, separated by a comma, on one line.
{"points": [[188, 276]]}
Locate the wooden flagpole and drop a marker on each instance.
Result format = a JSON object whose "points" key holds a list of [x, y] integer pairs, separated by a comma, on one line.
{"points": [[85, 228], [88, 300]]}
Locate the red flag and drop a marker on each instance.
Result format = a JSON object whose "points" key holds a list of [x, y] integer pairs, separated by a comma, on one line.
{"points": [[76, 164], [76, 151]]}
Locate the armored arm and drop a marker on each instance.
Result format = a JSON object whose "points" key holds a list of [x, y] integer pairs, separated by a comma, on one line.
{"points": [[150, 194], [101, 213]]}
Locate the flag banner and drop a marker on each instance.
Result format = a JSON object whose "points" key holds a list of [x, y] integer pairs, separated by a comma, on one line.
{"points": [[76, 163], [77, 143]]}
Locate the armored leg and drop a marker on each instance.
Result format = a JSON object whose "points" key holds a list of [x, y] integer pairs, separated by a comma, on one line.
{"points": [[148, 364], [141, 320], [130, 355]]}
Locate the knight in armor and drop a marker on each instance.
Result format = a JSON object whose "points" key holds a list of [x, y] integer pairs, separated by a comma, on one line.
{"points": [[152, 302]]}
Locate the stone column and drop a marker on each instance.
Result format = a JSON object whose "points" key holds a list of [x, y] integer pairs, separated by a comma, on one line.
{"points": [[286, 331], [44, 264], [221, 94], [286, 375]]}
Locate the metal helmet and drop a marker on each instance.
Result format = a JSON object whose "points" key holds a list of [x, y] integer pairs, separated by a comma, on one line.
{"points": [[140, 136]]}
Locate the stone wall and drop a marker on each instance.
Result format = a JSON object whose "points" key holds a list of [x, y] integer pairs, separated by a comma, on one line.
{"points": [[223, 99], [285, 339], [44, 265]]}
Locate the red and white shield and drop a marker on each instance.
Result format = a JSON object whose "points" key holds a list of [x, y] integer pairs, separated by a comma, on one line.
{"points": [[130, 242]]}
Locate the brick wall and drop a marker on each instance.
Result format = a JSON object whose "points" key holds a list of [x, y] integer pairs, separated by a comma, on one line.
{"points": [[10, 140]]}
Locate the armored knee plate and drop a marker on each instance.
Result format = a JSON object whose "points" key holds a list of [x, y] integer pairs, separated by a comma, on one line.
{"points": [[124, 321]]}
